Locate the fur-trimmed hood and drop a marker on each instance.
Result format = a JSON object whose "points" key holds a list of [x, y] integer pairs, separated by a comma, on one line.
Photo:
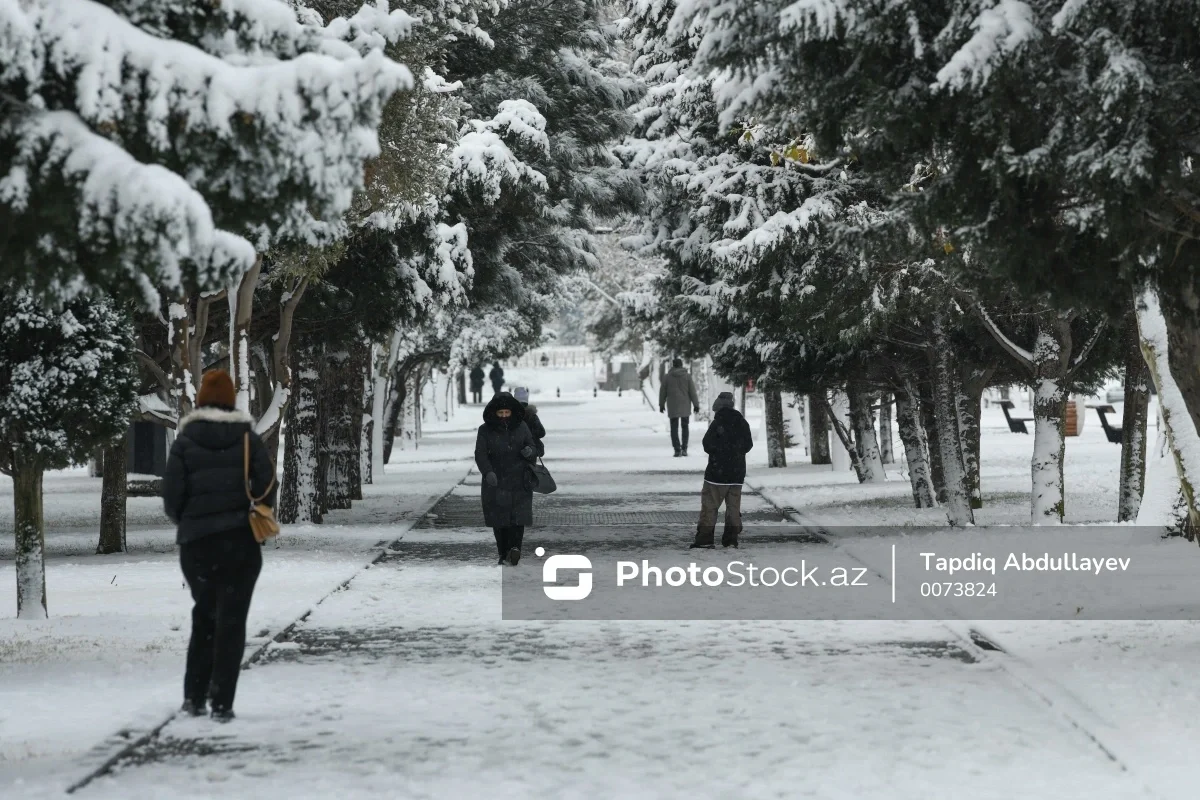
{"points": [[530, 410], [215, 428], [214, 414]]}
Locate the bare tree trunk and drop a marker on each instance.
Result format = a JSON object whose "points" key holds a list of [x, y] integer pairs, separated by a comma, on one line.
{"points": [[114, 492], [916, 448], [360, 364], [366, 450], [300, 496], [866, 444], [958, 503], [818, 430], [776, 430], [929, 423], [1051, 359], [241, 312], [341, 435], [184, 383], [885, 429], [30, 532], [969, 405], [1133, 425], [844, 437], [281, 367], [396, 399], [462, 387], [407, 433], [1166, 343]]}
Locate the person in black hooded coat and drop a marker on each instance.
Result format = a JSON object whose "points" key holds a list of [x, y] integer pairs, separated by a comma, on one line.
{"points": [[204, 494], [504, 453]]}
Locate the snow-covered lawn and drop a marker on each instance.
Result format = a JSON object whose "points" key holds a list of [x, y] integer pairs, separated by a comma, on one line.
{"points": [[408, 683]]}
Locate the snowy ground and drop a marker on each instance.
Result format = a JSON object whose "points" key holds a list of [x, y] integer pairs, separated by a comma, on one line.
{"points": [[407, 683]]}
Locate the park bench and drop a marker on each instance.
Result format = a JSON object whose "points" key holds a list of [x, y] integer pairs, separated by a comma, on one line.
{"points": [[144, 486], [1015, 424], [1113, 432]]}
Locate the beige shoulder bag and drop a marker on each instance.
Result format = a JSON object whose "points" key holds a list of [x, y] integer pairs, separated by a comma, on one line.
{"points": [[262, 516]]}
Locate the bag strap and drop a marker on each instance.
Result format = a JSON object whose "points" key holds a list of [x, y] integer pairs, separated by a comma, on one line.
{"points": [[246, 471]]}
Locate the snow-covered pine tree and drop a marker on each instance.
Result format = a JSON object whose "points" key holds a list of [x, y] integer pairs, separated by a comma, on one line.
{"points": [[142, 143], [67, 386]]}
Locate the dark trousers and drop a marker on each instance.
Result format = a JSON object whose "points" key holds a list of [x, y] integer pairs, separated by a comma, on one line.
{"points": [[221, 570], [477, 395], [497, 386], [508, 537], [676, 439]]}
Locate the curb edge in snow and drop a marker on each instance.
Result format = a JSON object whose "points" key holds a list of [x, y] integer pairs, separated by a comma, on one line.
{"points": [[112, 761]]}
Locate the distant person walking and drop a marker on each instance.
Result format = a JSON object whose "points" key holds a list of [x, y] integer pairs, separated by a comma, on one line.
{"points": [[504, 453], [205, 495], [496, 376], [676, 399], [477, 384], [727, 441], [531, 419]]}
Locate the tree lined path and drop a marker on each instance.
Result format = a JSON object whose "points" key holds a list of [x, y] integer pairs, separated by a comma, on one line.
{"points": [[408, 684]]}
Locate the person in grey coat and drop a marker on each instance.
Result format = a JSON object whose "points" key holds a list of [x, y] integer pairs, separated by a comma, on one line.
{"points": [[504, 454], [677, 399]]}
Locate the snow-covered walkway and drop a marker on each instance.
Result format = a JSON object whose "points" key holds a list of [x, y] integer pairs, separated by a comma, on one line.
{"points": [[407, 683]]}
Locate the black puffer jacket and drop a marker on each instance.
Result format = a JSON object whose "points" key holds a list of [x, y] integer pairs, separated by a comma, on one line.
{"points": [[727, 441], [498, 449], [204, 491]]}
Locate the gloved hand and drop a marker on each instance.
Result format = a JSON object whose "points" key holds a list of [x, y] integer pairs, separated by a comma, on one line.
{"points": [[527, 451], [662, 409], [696, 410], [491, 479]]}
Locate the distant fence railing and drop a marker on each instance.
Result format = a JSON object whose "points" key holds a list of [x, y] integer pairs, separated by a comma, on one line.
{"points": [[554, 357]]}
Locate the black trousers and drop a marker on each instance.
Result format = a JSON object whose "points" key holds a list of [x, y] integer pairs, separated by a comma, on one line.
{"points": [[508, 537], [221, 570], [677, 440], [477, 395]]}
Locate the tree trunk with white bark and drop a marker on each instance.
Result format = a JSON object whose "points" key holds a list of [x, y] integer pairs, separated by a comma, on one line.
{"points": [[300, 499], [340, 437], [1051, 361], [1166, 346], [916, 449], [886, 451], [866, 443]]}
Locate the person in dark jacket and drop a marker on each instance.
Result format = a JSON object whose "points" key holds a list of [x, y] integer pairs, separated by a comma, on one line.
{"points": [[496, 376], [205, 495], [726, 442], [477, 384], [504, 454], [531, 419], [676, 399]]}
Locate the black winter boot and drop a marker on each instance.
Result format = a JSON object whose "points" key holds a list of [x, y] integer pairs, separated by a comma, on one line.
{"points": [[704, 539], [729, 538], [678, 452], [194, 708], [514, 555], [222, 715], [685, 452]]}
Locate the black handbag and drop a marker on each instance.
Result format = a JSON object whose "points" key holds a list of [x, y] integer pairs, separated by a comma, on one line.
{"points": [[543, 480]]}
